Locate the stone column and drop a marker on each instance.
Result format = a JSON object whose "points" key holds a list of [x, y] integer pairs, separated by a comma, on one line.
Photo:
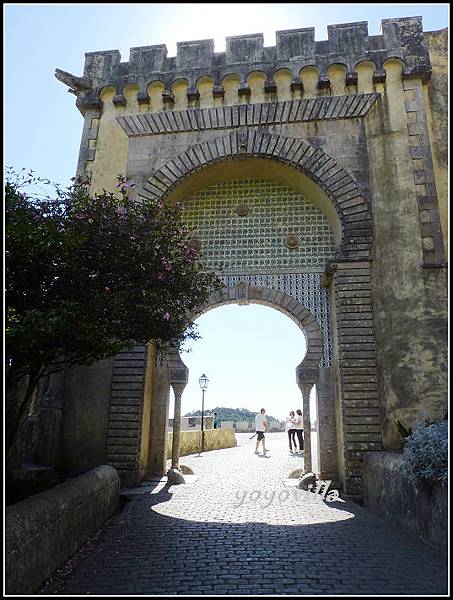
{"points": [[176, 429], [158, 438], [127, 408], [325, 392], [306, 389], [179, 375]]}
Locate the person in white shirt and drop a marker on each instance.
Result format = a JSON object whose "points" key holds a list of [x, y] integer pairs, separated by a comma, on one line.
{"points": [[299, 427], [291, 429], [260, 428]]}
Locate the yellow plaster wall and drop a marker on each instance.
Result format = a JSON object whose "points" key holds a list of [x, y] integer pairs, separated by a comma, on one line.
{"points": [[337, 76], [408, 303], [283, 78], [204, 87], [111, 147], [214, 439], [365, 70], [130, 93], [230, 85], [309, 77], [156, 102], [179, 89], [256, 82]]}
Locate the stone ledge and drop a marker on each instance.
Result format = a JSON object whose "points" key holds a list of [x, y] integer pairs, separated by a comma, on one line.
{"points": [[42, 531]]}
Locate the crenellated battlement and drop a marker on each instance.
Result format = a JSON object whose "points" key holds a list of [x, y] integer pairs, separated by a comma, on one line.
{"points": [[347, 46]]}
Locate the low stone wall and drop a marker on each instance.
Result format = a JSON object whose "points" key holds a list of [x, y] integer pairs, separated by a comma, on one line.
{"points": [[44, 530], [214, 439], [416, 512]]}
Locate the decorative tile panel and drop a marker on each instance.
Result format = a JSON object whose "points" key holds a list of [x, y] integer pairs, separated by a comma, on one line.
{"points": [[257, 240], [251, 245]]}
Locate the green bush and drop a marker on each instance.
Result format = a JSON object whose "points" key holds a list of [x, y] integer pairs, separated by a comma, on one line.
{"points": [[426, 453]]}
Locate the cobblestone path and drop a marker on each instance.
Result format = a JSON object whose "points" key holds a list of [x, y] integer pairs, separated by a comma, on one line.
{"points": [[240, 529]]}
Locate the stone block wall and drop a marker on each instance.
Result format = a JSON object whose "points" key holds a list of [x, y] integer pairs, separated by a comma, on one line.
{"points": [[44, 530], [422, 514], [215, 439]]}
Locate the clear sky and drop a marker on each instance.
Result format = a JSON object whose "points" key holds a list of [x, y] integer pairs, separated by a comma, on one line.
{"points": [[43, 130], [250, 354], [43, 127]]}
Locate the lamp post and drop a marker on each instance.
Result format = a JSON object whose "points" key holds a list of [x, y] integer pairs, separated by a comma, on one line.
{"points": [[203, 381]]}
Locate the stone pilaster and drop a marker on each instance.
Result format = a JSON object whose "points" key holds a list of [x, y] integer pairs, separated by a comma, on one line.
{"points": [[126, 413], [358, 395], [158, 437]]}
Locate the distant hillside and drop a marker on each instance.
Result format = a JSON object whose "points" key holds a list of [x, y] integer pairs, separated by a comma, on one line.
{"points": [[231, 414]]}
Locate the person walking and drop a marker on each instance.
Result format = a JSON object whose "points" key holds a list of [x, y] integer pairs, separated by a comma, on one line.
{"points": [[299, 427], [260, 428], [290, 428]]}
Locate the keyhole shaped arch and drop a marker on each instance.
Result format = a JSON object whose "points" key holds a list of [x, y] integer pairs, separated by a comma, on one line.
{"points": [[242, 293]]}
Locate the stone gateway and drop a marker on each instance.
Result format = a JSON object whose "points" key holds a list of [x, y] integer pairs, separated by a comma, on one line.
{"points": [[314, 180]]}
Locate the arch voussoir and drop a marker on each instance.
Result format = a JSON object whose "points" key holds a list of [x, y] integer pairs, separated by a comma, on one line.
{"points": [[352, 210]]}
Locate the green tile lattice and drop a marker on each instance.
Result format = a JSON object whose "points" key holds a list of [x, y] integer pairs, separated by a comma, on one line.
{"points": [[231, 243]]}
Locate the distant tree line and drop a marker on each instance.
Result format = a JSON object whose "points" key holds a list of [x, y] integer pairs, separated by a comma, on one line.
{"points": [[232, 414]]}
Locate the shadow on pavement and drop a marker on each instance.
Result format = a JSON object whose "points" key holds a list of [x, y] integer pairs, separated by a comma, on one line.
{"points": [[140, 551]]}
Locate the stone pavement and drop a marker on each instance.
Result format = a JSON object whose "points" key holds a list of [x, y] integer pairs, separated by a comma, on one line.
{"points": [[239, 528]]}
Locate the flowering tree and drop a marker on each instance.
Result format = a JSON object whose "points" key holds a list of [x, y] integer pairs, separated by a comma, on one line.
{"points": [[90, 275]]}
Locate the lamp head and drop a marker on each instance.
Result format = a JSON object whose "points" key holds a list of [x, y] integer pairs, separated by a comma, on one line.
{"points": [[203, 381]]}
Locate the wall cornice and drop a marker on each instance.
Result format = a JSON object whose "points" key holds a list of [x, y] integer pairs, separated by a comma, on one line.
{"points": [[351, 106]]}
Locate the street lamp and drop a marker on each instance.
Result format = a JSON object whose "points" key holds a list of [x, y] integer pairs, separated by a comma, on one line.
{"points": [[203, 381]]}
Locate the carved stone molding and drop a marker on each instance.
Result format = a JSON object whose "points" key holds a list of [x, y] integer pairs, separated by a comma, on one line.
{"points": [[350, 106], [351, 207]]}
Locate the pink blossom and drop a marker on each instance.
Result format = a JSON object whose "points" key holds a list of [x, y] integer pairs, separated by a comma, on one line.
{"points": [[190, 253], [107, 289], [167, 316]]}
